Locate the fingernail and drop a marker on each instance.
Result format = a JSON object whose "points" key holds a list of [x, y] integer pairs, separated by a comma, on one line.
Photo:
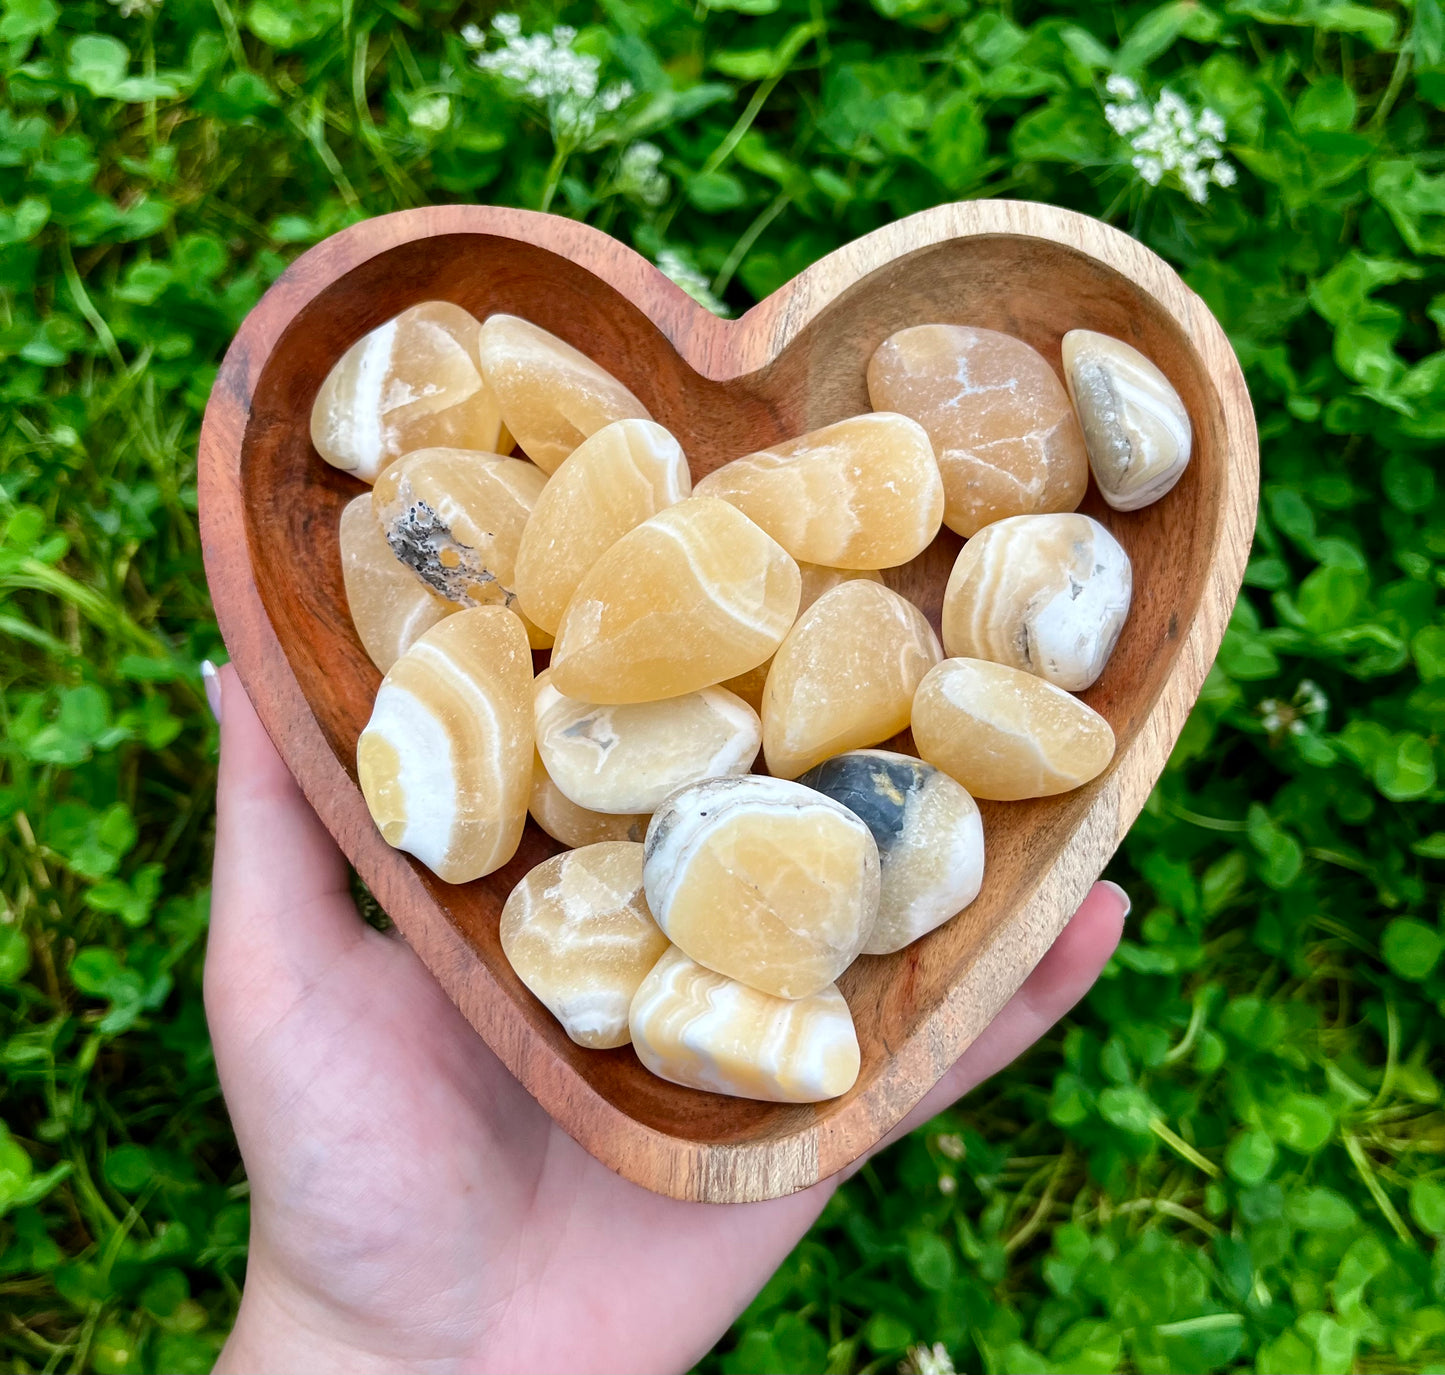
{"points": [[212, 682], [1123, 896]]}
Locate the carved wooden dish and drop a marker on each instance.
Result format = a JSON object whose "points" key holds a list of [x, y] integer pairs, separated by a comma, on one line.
{"points": [[269, 513]]}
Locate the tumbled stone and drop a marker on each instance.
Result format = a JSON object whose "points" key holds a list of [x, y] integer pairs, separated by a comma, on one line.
{"points": [[863, 493], [389, 605], [763, 880], [627, 758], [1047, 594], [703, 1030], [572, 825], [413, 383], [445, 763], [577, 932], [552, 396], [1006, 734], [455, 517], [845, 676], [626, 472], [928, 832], [1003, 431], [1135, 426], [694, 595]]}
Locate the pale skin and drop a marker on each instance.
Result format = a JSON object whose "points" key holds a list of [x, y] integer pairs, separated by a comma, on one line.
{"points": [[413, 1209]]}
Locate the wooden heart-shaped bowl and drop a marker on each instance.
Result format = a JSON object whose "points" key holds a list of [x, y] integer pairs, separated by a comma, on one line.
{"points": [[269, 512]]}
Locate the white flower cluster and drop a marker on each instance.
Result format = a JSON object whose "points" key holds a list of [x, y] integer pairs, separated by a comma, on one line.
{"points": [[640, 174], [682, 270], [1306, 710], [1168, 136], [926, 1360], [546, 69], [131, 9]]}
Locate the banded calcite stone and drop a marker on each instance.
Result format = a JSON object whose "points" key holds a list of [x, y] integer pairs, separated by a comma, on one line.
{"points": [[845, 676], [1046, 594], [413, 383], [552, 396], [762, 880], [929, 836], [694, 595], [626, 472], [1135, 426], [445, 762], [1006, 734], [572, 825], [702, 1030], [455, 518], [577, 932], [389, 606], [627, 758], [1003, 431], [863, 493]]}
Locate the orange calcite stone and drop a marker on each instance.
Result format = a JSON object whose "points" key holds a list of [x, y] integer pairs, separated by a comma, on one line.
{"points": [[695, 595], [1003, 431], [572, 825]]}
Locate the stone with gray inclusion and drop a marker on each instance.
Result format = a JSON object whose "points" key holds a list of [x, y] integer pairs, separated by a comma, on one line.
{"points": [[929, 836]]}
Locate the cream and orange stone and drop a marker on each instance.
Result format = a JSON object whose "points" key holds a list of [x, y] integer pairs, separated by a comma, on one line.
{"points": [[1046, 594], [610, 483], [413, 383], [389, 605], [693, 596], [702, 1030], [862, 493], [845, 676], [572, 825], [763, 880], [628, 758], [1003, 431], [445, 762], [1135, 426], [1006, 734], [577, 932], [551, 395], [456, 517]]}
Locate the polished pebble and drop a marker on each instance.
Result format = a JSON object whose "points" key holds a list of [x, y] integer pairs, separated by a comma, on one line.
{"points": [[577, 932], [413, 383], [575, 826], [929, 836], [702, 1030], [845, 676], [445, 762], [1006, 734], [1135, 426], [763, 880], [1047, 594], [1003, 431], [691, 597]]}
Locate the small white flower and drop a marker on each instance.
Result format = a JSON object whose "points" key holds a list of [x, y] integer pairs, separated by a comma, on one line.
{"points": [[1224, 174], [1151, 169], [928, 1360], [640, 174], [474, 36], [947, 1185], [431, 114], [1211, 124], [1121, 87], [951, 1145], [1166, 138], [685, 273]]}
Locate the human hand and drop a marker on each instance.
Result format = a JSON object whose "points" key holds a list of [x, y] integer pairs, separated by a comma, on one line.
{"points": [[412, 1207]]}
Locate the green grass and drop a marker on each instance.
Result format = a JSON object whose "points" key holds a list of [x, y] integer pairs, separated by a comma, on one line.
{"points": [[1233, 1158]]}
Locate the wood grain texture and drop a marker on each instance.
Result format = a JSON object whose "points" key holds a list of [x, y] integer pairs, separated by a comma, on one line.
{"points": [[269, 512]]}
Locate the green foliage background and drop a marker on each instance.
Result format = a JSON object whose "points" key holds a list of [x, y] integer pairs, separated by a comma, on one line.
{"points": [[1232, 1157]]}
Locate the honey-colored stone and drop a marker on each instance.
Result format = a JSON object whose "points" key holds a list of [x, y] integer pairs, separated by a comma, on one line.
{"points": [[703, 1030], [763, 880], [693, 596], [445, 763], [1047, 594], [552, 396], [626, 759], [572, 825], [845, 676], [577, 932], [389, 605], [929, 836], [413, 383], [863, 493], [1135, 426], [456, 517], [626, 472], [1006, 734], [1003, 431]]}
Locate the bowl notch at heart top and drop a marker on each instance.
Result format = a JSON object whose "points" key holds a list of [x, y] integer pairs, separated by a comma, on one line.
{"points": [[269, 514]]}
